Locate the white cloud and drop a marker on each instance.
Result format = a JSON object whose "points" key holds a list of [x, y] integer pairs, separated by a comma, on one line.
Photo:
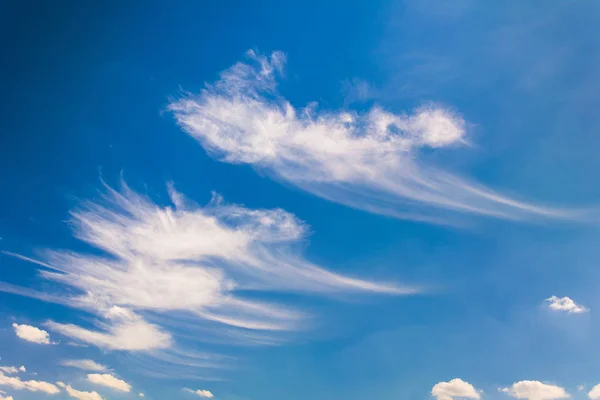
{"points": [[13, 370], [109, 381], [33, 386], [86, 365], [454, 389], [201, 393], [186, 259], [371, 161], [79, 395], [565, 304], [594, 393], [31, 334], [142, 395], [6, 398], [535, 390], [126, 331]]}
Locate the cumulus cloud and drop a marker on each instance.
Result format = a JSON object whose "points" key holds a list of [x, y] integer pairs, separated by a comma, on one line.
{"points": [[86, 365], [373, 161], [158, 265], [565, 304], [535, 390], [454, 389], [33, 386], [201, 393], [109, 381], [31, 334], [594, 393], [6, 397], [142, 395]]}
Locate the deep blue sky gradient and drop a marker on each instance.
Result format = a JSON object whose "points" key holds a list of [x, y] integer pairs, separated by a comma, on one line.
{"points": [[85, 87]]}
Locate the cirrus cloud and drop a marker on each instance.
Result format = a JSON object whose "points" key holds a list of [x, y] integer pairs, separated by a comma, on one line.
{"points": [[109, 381], [372, 161], [159, 262], [86, 365]]}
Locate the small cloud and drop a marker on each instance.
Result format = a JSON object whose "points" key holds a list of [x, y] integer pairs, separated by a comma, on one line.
{"points": [[565, 304], [535, 390], [201, 393], [86, 365], [455, 389], [32, 334], [142, 395], [22, 368], [7, 397], [109, 381]]}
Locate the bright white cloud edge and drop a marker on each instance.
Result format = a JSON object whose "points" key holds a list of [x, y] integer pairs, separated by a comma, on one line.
{"points": [[31, 334], [565, 304], [109, 381], [454, 389], [535, 390], [200, 392]]}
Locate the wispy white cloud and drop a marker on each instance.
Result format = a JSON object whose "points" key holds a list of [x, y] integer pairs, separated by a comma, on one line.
{"points": [[454, 389], [13, 370], [31, 334], [123, 330], [79, 395], [185, 262], [33, 386], [535, 390], [372, 161], [202, 393], [565, 304], [86, 365], [109, 381]]}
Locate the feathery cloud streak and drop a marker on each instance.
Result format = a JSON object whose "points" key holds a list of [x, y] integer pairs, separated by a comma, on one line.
{"points": [[371, 161], [185, 258]]}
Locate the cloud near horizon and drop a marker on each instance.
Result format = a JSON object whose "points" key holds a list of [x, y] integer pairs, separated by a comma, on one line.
{"points": [[454, 389], [161, 262], [535, 390], [371, 161]]}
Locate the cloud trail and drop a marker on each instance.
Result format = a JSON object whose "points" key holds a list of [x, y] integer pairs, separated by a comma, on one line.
{"points": [[372, 161], [154, 265]]}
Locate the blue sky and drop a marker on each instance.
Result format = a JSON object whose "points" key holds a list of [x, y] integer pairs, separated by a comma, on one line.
{"points": [[275, 200]]}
